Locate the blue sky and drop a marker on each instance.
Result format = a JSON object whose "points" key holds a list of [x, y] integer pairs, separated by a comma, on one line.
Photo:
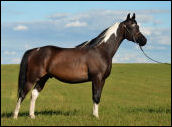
{"points": [[27, 25]]}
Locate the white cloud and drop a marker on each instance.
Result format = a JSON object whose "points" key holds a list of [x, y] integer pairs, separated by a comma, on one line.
{"points": [[26, 46], [76, 24], [154, 11], [16, 60], [145, 30], [58, 16], [54, 31], [10, 53], [20, 28], [130, 56], [164, 40], [150, 47], [142, 60], [122, 58], [157, 35]]}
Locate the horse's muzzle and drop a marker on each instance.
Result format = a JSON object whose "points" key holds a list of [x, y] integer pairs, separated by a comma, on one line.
{"points": [[141, 40]]}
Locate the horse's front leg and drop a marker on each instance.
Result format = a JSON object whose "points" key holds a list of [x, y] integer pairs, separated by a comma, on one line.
{"points": [[97, 86]]}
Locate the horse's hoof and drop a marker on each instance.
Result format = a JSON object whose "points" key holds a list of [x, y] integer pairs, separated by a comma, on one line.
{"points": [[32, 116], [96, 116], [14, 117]]}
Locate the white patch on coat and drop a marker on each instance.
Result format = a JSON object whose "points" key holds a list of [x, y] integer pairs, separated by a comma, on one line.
{"points": [[35, 94], [112, 30], [37, 49]]}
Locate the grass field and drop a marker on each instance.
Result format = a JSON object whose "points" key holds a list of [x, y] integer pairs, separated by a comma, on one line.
{"points": [[133, 95]]}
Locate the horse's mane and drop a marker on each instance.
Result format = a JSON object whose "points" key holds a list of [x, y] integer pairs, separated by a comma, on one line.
{"points": [[102, 37], [93, 42]]}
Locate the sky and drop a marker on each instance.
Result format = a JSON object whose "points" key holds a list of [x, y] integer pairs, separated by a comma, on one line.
{"points": [[30, 24]]}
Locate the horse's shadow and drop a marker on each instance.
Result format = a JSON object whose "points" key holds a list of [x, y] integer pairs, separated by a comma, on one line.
{"points": [[46, 112], [149, 110]]}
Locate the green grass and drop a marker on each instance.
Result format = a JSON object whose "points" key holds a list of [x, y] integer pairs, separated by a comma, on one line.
{"points": [[133, 95]]}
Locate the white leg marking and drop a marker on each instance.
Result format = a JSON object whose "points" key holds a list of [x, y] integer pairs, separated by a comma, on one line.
{"points": [[17, 108], [35, 94], [95, 110]]}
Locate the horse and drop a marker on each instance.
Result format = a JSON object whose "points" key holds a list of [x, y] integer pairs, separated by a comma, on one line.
{"points": [[90, 61]]}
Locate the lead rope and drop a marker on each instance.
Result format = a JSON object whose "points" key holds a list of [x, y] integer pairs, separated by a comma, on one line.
{"points": [[151, 58], [147, 55], [143, 50]]}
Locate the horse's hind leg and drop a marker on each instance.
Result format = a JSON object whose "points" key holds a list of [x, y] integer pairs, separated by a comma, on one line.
{"points": [[21, 97], [38, 87]]}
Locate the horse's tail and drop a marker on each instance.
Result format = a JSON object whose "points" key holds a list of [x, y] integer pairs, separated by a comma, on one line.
{"points": [[23, 74]]}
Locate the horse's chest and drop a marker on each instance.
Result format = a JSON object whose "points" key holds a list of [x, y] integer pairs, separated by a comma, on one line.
{"points": [[108, 70]]}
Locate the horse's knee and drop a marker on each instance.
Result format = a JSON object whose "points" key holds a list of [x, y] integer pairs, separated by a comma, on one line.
{"points": [[96, 98]]}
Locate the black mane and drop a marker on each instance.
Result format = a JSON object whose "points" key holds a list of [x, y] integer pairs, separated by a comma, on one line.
{"points": [[94, 41]]}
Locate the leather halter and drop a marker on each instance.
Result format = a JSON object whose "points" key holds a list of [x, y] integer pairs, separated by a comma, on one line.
{"points": [[133, 37]]}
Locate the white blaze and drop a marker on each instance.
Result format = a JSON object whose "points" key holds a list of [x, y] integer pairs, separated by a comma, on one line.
{"points": [[110, 31]]}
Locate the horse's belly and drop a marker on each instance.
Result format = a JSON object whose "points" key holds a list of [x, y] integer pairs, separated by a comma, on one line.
{"points": [[71, 73]]}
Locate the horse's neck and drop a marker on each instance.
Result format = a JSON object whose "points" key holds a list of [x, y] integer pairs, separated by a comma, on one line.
{"points": [[112, 45], [115, 45]]}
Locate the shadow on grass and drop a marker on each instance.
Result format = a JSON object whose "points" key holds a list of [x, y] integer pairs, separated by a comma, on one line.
{"points": [[149, 110], [46, 112]]}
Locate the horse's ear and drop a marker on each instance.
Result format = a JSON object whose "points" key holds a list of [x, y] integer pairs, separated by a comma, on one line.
{"points": [[134, 16], [128, 16]]}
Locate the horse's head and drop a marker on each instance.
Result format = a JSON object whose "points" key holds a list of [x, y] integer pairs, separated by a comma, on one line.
{"points": [[132, 32]]}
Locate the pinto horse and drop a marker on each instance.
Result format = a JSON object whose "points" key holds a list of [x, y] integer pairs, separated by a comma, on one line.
{"points": [[89, 61]]}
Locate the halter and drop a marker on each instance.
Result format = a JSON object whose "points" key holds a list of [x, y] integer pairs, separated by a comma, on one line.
{"points": [[133, 37]]}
